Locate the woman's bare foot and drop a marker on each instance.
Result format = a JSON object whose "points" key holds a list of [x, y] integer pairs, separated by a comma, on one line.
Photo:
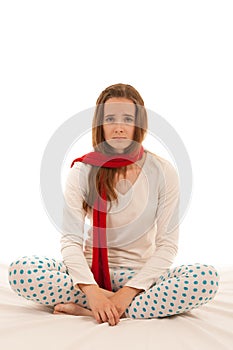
{"points": [[72, 309]]}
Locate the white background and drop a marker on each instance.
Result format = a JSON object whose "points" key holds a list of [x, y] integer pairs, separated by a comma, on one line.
{"points": [[57, 57]]}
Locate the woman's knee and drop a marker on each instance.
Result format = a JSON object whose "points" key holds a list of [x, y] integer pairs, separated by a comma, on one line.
{"points": [[15, 270]]}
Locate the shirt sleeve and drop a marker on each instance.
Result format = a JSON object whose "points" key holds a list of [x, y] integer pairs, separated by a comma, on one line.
{"points": [[166, 239], [73, 227]]}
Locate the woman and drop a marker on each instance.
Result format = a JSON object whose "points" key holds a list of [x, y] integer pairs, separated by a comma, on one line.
{"points": [[131, 196]]}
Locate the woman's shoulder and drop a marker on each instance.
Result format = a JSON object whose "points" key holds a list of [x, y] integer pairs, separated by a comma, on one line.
{"points": [[164, 165], [158, 160]]}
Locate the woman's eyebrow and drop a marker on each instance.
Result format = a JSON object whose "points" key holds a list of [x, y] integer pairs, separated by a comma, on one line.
{"points": [[125, 114]]}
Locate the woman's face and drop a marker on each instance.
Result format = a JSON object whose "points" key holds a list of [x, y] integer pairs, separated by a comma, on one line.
{"points": [[119, 122]]}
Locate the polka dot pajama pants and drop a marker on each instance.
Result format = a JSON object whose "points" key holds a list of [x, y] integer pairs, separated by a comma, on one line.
{"points": [[181, 289]]}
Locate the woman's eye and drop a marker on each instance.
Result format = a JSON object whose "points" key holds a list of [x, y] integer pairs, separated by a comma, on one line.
{"points": [[108, 119], [130, 120]]}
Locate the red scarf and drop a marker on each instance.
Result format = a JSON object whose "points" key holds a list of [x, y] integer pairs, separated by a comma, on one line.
{"points": [[100, 268]]}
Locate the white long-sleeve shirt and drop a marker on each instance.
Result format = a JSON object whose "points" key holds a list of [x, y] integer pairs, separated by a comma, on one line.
{"points": [[142, 230]]}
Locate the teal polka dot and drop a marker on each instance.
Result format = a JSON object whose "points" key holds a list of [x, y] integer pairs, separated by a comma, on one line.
{"points": [[151, 314], [200, 298], [21, 272], [14, 282], [203, 290], [195, 289], [184, 295], [185, 288], [193, 297], [30, 280], [155, 302], [204, 282], [182, 301], [40, 285], [34, 295], [137, 303], [195, 282], [42, 292], [186, 282], [31, 288], [203, 272], [175, 291], [152, 308], [162, 307], [164, 300], [210, 272], [176, 285], [21, 281], [172, 304]]}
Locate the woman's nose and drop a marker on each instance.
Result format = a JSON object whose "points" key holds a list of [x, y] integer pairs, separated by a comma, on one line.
{"points": [[119, 128]]}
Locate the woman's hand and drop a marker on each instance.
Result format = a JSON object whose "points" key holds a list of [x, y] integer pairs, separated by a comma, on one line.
{"points": [[102, 307], [123, 297]]}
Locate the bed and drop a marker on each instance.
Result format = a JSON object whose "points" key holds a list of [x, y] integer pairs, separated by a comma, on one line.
{"points": [[27, 325]]}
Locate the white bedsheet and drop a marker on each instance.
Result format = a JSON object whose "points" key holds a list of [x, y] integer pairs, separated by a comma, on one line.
{"points": [[27, 325]]}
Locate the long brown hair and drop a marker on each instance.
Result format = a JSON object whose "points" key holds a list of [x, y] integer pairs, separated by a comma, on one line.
{"points": [[99, 144]]}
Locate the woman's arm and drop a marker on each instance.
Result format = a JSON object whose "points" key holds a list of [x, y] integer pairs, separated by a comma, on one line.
{"points": [[166, 240], [73, 227]]}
